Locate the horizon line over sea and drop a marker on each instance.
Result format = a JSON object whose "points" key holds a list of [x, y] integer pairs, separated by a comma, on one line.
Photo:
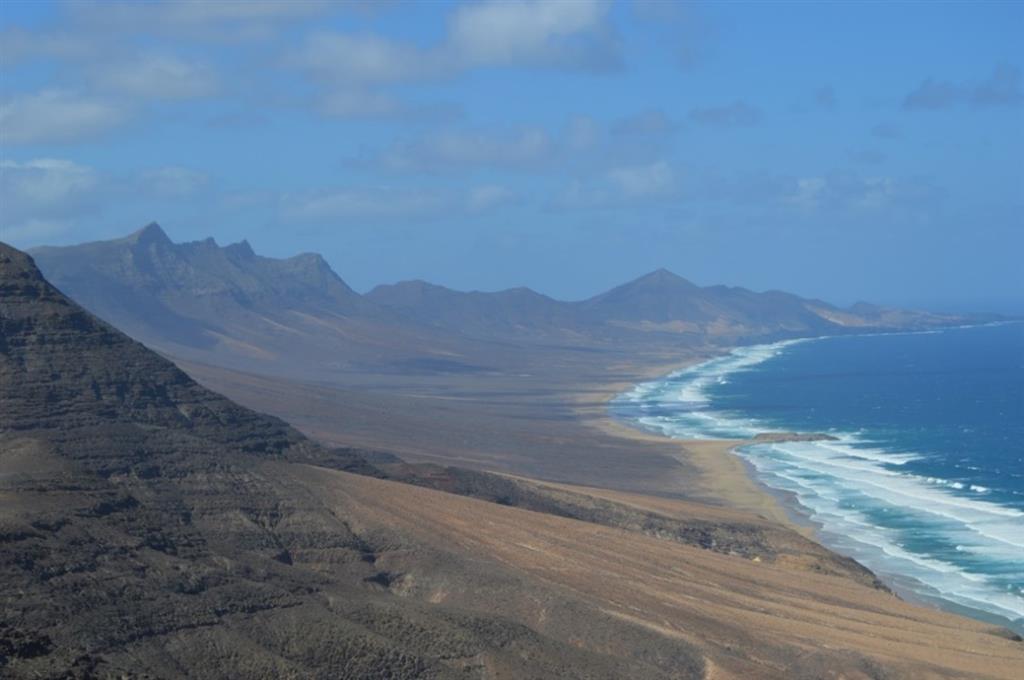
{"points": [[924, 484]]}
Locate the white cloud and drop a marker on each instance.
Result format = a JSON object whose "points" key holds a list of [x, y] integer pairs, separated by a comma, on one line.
{"points": [[619, 186], [544, 33], [489, 196], [373, 203], [155, 77], [40, 197], [632, 145], [539, 32], [17, 45], [173, 181], [807, 192], [843, 193], [655, 179], [221, 21], [44, 183], [364, 59], [381, 204], [34, 232], [520, 149], [56, 116]]}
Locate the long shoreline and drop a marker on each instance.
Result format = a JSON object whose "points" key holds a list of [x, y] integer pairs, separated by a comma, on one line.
{"points": [[727, 477]]}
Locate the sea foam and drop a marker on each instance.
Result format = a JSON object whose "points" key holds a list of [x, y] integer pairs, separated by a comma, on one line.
{"points": [[940, 533]]}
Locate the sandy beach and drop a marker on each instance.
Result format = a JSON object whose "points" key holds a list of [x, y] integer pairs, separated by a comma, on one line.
{"points": [[723, 476]]}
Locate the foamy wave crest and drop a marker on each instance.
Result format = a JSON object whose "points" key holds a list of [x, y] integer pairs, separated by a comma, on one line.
{"points": [[941, 533]]}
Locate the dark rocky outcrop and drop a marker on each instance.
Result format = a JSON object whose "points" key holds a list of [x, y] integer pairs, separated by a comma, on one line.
{"points": [[779, 437]]}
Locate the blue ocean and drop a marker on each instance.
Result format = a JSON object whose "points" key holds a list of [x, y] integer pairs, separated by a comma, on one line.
{"points": [[924, 484]]}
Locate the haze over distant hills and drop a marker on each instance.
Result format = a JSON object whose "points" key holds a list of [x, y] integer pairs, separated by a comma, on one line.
{"points": [[228, 305]]}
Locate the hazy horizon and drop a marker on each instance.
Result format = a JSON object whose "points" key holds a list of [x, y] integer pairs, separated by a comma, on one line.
{"points": [[568, 147]]}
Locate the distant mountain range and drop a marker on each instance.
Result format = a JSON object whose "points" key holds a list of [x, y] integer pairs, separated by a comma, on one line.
{"points": [[228, 305]]}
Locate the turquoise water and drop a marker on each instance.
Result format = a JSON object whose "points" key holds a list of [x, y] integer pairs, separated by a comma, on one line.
{"points": [[925, 483]]}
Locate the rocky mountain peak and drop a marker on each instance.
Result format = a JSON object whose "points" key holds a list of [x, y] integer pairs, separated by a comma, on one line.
{"points": [[152, 233], [663, 277]]}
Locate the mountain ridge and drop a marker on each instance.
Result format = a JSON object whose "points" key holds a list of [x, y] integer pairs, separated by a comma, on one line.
{"points": [[207, 302]]}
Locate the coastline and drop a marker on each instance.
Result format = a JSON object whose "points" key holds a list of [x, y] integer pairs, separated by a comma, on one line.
{"points": [[728, 478], [724, 476]]}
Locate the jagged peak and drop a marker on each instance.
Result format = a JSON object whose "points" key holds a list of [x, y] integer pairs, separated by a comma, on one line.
{"points": [[310, 260], [151, 233], [662, 276], [241, 248], [315, 263]]}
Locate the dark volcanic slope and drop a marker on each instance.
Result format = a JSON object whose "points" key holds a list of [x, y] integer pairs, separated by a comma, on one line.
{"points": [[145, 530]]}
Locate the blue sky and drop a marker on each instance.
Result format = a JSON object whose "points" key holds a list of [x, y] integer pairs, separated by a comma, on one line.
{"points": [[840, 150]]}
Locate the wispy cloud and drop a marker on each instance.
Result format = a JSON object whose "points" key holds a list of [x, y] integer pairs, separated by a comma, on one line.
{"points": [[213, 21], [455, 149], [933, 94], [532, 32], [362, 203], [154, 76], [649, 124], [347, 59], [173, 181], [18, 45], [351, 68], [655, 179], [626, 185], [41, 197], [1003, 87], [571, 35], [57, 116], [840, 193], [385, 204], [490, 196]]}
